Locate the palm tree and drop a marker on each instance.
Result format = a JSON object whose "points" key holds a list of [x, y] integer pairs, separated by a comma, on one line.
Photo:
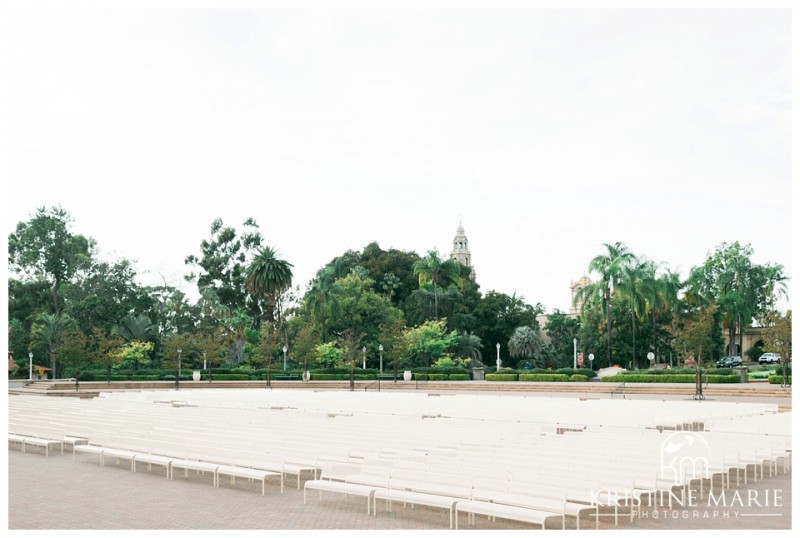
{"points": [[48, 331], [438, 272], [267, 277], [609, 265], [136, 328], [525, 343], [636, 284]]}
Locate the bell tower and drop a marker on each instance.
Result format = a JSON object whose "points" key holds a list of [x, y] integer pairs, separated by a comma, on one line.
{"points": [[460, 251]]}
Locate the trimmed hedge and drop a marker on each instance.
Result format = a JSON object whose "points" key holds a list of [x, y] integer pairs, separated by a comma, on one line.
{"points": [[672, 378], [228, 377], [544, 377], [460, 377], [778, 379], [578, 377], [501, 377]]}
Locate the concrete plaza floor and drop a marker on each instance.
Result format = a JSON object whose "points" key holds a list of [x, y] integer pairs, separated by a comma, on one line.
{"points": [[58, 493]]}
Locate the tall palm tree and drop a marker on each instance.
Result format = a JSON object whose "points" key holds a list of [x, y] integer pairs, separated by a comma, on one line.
{"points": [[267, 277], [636, 283], [609, 265], [432, 269], [48, 330]]}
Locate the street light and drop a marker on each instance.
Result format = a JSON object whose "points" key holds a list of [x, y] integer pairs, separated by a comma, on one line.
{"points": [[574, 353], [364, 361], [380, 350], [178, 377], [285, 349], [498, 356], [30, 366]]}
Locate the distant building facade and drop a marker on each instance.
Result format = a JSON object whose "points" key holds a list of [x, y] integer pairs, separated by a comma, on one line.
{"points": [[575, 305]]}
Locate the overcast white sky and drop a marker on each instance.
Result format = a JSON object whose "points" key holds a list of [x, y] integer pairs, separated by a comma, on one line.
{"points": [[547, 133]]}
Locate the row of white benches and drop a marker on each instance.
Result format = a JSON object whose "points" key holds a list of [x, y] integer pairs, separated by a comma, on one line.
{"points": [[243, 438]]}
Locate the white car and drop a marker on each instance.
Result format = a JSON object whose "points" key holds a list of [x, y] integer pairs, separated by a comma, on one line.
{"points": [[769, 358]]}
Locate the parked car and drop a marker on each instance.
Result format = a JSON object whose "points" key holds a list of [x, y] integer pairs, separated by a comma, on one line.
{"points": [[769, 358], [729, 362]]}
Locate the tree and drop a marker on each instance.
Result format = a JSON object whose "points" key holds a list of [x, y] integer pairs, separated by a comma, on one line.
{"points": [[134, 353], [637, 282], [429, 341], [105, 293], [48, 331], [526, 343], [562, 330], [221, 265], [438, 272], [322, 298], [73, 352], [104, 349], [44, 249], [498, 314], [741, 290], [609, 266], [469, 346], [139, 328], [693, 337], [778, 335], [267, 277], [328, 354]]}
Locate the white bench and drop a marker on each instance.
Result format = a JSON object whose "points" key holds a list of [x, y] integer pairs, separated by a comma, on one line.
{"points": [[153, 459], [333, 479], [26, 441], [194, 465], [413, 497], [504, 511], [247, 472]]}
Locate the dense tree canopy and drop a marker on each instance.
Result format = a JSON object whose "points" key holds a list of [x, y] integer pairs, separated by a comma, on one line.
{"points": [[77, 311]]}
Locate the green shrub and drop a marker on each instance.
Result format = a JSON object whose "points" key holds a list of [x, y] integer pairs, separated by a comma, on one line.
{"points": [[230, 377], [778, 379], [578, 377], [439, 377], [543, 377], [459, 377], [323, 377], [501, 377], [671, 378], [588, 372], [419, 377]]}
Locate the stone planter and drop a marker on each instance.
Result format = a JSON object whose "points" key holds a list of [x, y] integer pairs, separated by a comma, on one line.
{"points": [[196, 375], [407, 375]]}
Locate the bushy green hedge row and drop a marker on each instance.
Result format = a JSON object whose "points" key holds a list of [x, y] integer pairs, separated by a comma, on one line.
{"points": [[545, 377], [672, 378], [578, 377], [460, 377], [675, 371], [501, 377], [778, 379], [588, 372]]}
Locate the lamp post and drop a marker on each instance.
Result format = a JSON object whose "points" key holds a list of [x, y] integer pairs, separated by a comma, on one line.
{"points": [[498, 356], [574, 353], [178, 377], [285, 349], [380, 351], [30, 366], [364, 360]]}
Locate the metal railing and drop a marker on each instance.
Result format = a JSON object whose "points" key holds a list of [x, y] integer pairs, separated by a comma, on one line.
{"points": [[620, 389]]}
